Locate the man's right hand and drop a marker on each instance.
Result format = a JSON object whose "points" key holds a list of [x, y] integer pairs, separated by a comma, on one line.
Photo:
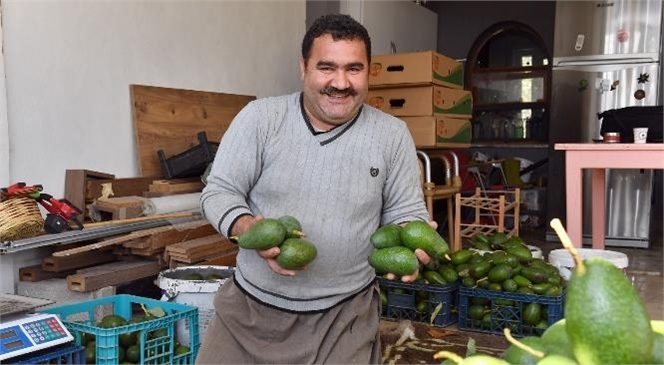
{"points": [[269, 255], [242, 225]]}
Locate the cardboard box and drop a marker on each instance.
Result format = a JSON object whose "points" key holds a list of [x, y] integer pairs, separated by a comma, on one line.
{"points": [[422, 101], [453, 132], [423, 130], [439, 131], [415, 68]]}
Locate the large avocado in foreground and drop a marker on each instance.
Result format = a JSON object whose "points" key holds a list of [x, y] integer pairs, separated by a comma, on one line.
{"points": [[398, 260], [264, 234], [418, 234], [605, 319], [296, 253]]}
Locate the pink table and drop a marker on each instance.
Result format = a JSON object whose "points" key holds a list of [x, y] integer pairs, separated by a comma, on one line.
{"points": [[598, 157]]}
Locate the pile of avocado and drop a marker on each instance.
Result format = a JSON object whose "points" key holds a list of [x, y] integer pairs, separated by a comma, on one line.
{"points": [[395, 245], [606, 322], [285, 232], [129, 343]]}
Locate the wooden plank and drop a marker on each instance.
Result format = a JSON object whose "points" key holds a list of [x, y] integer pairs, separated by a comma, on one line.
{"points": [[36, 273], [169, 119], [173, 186], [111, 274], [186, 246], [128, 237], [84, 259]]}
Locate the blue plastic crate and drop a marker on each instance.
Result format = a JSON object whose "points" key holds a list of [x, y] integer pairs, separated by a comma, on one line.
{"points": [[403, 298], [64, 354], [504, 314], [156, 337]]}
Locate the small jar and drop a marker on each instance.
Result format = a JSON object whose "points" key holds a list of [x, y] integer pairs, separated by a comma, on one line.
{"points": [[611, 137]]}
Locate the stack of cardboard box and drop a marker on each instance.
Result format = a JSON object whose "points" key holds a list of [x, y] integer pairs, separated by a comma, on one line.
{"points": [[425, 89]]}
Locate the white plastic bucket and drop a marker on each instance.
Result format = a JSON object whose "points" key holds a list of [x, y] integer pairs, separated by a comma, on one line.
{"points": [[564, 261], [197, 293]]}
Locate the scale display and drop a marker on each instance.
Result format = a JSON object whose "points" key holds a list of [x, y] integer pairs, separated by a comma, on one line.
{"points": [[31, 333]]}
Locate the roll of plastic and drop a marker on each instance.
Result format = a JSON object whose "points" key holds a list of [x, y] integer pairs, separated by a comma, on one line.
{"points": [[171, 204]]}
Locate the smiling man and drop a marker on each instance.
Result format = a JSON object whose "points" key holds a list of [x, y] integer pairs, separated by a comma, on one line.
{"points": [[343, 169]]}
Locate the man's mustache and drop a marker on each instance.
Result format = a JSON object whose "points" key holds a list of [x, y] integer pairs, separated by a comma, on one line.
{"points": [[333, 91]]}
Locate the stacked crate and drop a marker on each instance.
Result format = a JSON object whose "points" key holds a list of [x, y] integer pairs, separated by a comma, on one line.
{"points": [[425, 89]]}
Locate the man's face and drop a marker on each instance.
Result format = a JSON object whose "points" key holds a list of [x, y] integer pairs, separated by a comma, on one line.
{"points": [[335, 81]]}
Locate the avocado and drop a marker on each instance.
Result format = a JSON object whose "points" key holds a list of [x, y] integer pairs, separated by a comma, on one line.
{"points": [[419, 234], [296, 253], [264, 234], [517, 355], [556, 340], [606, 320], [387, 236], [292, 225], [557, 359], [658, 348], [112, 320], [433, 277], [398, 260], [460, 257], [500, 273], [532, 313]]}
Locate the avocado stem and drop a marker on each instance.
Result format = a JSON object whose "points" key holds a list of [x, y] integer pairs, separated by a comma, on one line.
{"points": [[508, 334], [448, 355], [298, 234], [567, 243]]}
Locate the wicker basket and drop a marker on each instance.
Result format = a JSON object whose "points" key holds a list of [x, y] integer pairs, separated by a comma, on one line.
{"points": [[19, 218]]}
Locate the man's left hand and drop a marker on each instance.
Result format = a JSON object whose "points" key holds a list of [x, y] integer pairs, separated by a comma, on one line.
{"points": [[424, 259]]}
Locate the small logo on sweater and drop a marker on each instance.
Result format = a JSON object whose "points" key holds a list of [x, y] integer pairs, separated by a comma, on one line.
{"points": [[373, 171]]}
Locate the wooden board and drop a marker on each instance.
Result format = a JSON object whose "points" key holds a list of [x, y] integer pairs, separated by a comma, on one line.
{"points": [[80, 260], [111, 274], [36, 273], [169, 119]]}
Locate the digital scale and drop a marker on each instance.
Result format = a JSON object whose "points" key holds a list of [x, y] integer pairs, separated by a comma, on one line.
{"points": [[22, 332]]}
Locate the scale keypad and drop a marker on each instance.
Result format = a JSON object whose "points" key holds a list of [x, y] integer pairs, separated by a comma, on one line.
{"points": [[44, 330]]}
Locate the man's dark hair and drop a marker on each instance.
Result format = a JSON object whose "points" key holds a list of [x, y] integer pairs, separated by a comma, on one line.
{"points": [[340, 27]]}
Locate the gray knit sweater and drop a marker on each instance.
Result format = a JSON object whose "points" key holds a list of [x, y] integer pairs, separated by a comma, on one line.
{"points": [[341, 184]]}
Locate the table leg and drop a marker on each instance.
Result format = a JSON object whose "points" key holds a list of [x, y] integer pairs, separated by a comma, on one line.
{"points": [[574, 199], [598, 207]]}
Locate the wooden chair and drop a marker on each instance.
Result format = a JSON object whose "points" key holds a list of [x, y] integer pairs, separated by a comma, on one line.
{"points": [[434, 192]]}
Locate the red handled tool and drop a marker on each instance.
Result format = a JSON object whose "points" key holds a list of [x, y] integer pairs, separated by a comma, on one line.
{"points": [[60, 212], [20, 189]]}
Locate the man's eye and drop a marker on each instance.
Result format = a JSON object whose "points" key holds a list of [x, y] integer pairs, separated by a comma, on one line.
{"points": [[355, 70], [326, 69]]}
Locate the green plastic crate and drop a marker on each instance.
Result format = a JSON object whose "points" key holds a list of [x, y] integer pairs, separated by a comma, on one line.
{"points": [[156, 337]]}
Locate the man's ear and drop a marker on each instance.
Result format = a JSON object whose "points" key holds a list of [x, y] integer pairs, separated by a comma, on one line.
{"points": [[303, 68]]}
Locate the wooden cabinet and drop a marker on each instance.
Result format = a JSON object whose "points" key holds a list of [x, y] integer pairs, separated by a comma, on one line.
{"points": [[509, 75]]}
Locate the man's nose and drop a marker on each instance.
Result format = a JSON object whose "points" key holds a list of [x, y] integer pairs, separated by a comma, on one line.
{"points": [[341, 81]]}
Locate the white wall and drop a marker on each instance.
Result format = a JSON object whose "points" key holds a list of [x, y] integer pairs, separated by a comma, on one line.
{"points": [[68, 67], [409, 26]]}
